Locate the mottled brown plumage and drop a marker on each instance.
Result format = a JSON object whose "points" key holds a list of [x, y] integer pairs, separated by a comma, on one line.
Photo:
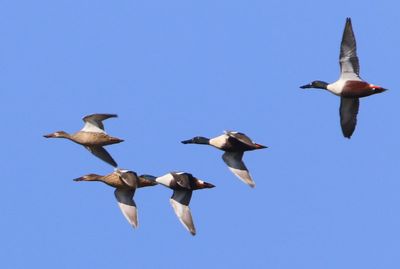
{"points": [[125, 183], [92, 137]]}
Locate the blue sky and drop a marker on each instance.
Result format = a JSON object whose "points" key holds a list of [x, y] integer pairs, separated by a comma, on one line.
{"points": [[172, 70]]}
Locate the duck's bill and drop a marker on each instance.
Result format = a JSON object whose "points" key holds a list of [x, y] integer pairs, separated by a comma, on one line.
{"points": [[380, 89], [49, 135], [208, 185], [259, 146], [78, 179], [306, 86], [189, 141]]}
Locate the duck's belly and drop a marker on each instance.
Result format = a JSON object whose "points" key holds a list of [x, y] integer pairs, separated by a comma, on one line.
{"points": [[356, 89], [94, 139]]}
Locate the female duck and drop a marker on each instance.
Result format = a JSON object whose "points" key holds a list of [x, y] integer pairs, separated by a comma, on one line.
{"points": [[125, 183], [92, 136]]}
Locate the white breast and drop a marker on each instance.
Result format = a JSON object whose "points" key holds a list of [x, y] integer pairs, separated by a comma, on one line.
{"points": [[337, 87], [165, 179], [219, 141]]}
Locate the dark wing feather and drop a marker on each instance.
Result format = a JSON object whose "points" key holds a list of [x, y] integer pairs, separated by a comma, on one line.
{"points": [[182, 179], [127, 205], [241, 137], [182, 196], [130, 178], [101, 153], [237, 166], [96, 119], [349, 64], [348, 115]]}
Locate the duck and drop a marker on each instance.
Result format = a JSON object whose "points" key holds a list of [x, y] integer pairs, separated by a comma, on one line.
{"points": [[92, 136], [125, 183], [234, 144], [349, 87], [183, 184]]}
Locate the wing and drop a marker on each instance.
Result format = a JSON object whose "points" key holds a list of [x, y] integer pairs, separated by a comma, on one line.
{"points": [[127, 205], [348, 115], [240, 137], [130, 178], [93, 123], [179, 202], [101, 153], [182, 179], [237, 166], [349, 66]]}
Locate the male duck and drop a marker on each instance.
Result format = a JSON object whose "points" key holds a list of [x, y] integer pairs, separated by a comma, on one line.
{"points": [[183, 184], [234, 144], [350, 86], [125, 183], [92, 136]]}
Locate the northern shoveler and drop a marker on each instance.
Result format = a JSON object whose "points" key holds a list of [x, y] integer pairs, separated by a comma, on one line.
{"points": [[125, 183], [234, 144], [350, 87], [183, 184], [92, 136]]}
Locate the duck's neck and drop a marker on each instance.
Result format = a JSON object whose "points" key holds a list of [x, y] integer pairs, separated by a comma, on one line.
{"points": [[65, 135]]}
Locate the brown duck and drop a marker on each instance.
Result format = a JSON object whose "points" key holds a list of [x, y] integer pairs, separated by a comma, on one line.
{"points": [[125, 183], [92, 136]]}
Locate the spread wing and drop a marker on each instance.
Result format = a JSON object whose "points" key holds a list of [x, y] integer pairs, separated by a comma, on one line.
{"points": [[348, 115], [127, 205], [241, 137], [349, 66], [101, 153], [237, 166], [179, 201], [94, 122]]}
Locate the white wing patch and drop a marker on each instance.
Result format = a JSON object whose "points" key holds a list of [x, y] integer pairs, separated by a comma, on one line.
{"points": [[237, 166], [127, 205], [184, 215], [93, 127]]}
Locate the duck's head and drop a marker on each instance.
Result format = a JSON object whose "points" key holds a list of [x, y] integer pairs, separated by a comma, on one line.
{"points": [[316, 84], [89, 177], [197, 140], [147, 180], [58, 134]]}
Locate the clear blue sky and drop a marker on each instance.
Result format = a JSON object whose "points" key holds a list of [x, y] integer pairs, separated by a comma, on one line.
{"points": [[175, 69]]}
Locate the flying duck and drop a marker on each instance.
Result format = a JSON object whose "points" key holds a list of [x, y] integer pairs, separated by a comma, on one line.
{"points": [[125, 183], [183, 184], [350, 87], [92, 136], [234, 144]]}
